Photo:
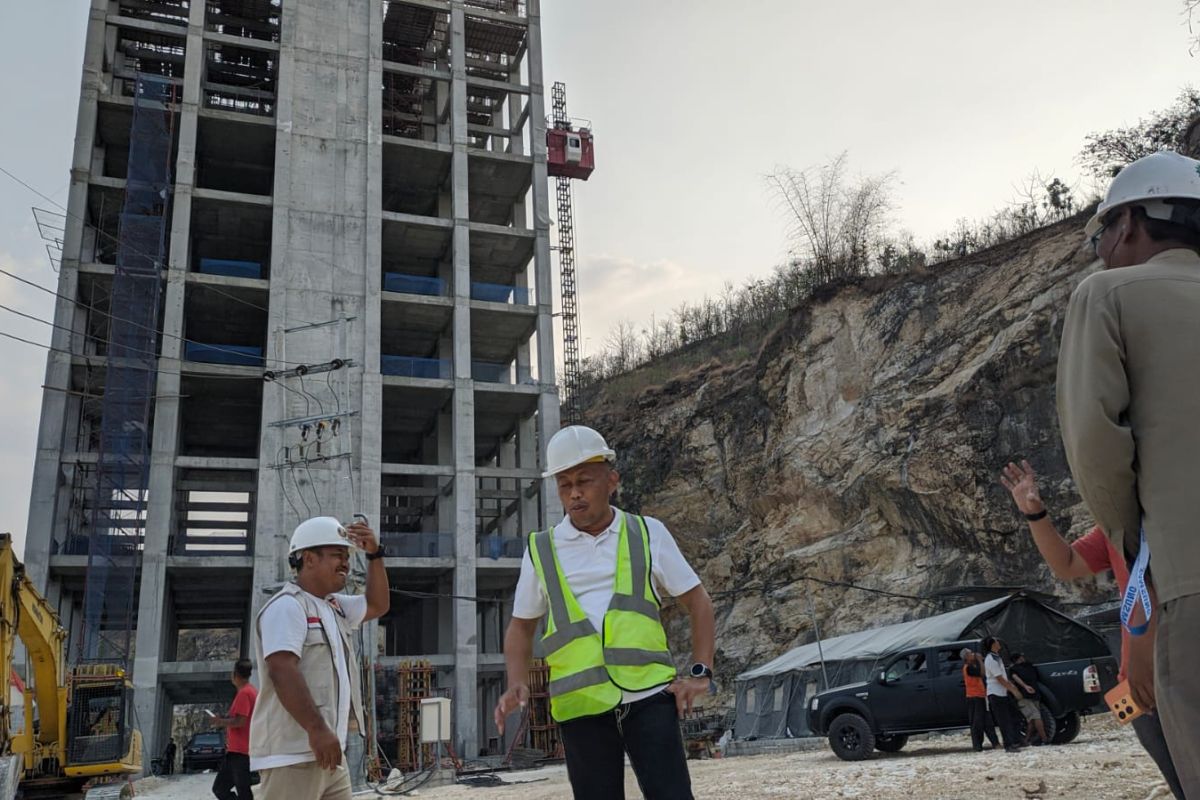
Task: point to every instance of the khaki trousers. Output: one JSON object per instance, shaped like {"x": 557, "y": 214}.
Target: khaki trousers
{"x": 305, "y": 782}
{"x": 1177, "y": 686}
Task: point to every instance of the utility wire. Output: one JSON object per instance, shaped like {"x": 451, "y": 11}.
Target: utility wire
{"x": 114, "y": 238}
{"x": 90, "y": 356}
{"x": 136, "y": 324}
{"x": 764, "y": 588}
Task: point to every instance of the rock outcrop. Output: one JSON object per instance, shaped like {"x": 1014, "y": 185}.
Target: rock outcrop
{"x": 862, "y": 446}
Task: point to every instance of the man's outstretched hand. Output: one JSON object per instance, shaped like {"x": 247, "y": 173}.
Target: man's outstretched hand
{"x": 516, "y": 697}
{"x": 1021, "y": 482}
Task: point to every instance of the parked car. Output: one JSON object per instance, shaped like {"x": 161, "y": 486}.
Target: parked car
{"x": 204, "y": 751}
{"x": 921, "y": 691}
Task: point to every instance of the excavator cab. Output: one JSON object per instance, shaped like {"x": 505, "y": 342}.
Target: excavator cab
{"x": 101, "y": 739}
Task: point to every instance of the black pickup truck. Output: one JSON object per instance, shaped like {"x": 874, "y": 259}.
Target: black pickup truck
{"x": 921, "y": 690}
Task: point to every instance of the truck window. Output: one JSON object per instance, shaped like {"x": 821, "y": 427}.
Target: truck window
{"x": 949, "y": 661}
{"x": 911, "y": 665}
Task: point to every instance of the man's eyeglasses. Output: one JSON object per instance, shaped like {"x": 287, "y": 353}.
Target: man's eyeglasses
{"x": 1095, "y": 240}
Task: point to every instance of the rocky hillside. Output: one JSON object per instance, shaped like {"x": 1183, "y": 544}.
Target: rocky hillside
{"x": 861, "y": 446}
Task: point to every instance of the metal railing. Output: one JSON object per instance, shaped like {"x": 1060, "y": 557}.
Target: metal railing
{"x": 496, "y": 547}
{"x": 501, "y": 293}
{"x": 415, "y": 367}
{"x": 418, "y": 545}
{"x": 413, "y": 284}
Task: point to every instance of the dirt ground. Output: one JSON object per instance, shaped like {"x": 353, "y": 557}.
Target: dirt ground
{"x": 1104, "y": 763}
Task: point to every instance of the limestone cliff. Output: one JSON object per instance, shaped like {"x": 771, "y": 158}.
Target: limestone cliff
{"x": 861, "y": 445}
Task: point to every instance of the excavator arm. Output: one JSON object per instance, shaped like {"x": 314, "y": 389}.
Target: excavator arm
{"x": 26, "y": 615}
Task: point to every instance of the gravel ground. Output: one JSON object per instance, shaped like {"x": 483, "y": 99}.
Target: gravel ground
{"x": 1105, "y": 763}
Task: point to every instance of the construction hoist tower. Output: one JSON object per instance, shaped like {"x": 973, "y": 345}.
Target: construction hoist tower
{"x": 570, "y": 155}
{"x": 122, "y": 468}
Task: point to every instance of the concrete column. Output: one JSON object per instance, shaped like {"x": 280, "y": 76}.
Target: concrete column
{"x": 466, "y": 645}
{"x": 527, "y": 458}
{"x": 154, "y": 633}
{"x": 47, "y": 469}
{"x": 548, "y": 405}
{"x": 370, "y": 445}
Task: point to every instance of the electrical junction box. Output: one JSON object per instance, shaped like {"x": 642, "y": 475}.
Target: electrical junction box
{"x": 435, "y": 719}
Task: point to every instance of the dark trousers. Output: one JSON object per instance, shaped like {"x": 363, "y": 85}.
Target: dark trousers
{"x": 1150, "y": 734}
{"x": 981, "y": 722}
{"x": 1004, "y": 711}
{"x": 233, "y": 774}
{"x": 1177, "y": 687}
{"x": 648, "y": 731}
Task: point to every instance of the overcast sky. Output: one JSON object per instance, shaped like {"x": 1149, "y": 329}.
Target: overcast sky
{"x": 693, "y": 103}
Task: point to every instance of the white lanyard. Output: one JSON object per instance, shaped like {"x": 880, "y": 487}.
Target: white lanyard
{"x": 1136, "y": 590}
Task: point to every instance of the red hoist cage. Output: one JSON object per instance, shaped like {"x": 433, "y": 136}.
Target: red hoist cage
{"x": 570, "y": 156}
{"x": 571, "y": 153}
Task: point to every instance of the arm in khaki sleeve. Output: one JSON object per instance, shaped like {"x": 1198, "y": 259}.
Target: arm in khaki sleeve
{"x": 1093, "y": 397}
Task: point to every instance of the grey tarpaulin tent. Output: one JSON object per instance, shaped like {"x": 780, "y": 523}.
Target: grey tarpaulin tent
{"x": 771, "y": 699}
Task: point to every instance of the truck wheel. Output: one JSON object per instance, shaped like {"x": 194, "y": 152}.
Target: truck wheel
{"x": 850, "y": 737}
{"x": 1068, "y": 729}
{"x": 1048, "y": 722}
{"x": 891, "y": 744}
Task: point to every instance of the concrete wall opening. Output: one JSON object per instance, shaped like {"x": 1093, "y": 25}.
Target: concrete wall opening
{"x": 234, "y": 155}
{"x": 214, "y": 512}
{"x": 220, "y": 415}
{"x": 230, "y": 239}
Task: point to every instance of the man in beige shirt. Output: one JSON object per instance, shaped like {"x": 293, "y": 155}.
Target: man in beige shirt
{"x": 1129, "y": 408}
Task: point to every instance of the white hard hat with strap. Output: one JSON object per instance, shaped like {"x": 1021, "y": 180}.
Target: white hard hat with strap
{"x": 1152, "y": 182}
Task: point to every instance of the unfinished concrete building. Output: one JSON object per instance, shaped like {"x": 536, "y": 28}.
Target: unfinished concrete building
{"x": 354, "y": 315}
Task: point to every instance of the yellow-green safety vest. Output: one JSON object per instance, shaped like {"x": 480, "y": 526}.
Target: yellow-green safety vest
{"x": 588, "y": 670}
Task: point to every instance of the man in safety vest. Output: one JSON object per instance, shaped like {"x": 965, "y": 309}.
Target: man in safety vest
{"x": 1128, "y": 402}
{"x": 597, "y": 577}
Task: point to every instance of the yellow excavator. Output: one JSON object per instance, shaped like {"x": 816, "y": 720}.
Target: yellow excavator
{"x": 75, "y": 735}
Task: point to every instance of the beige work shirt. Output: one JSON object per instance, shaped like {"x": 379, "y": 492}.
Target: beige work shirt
{"x": 1129, "y": 409}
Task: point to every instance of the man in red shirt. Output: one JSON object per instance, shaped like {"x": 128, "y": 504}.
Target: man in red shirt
{"x": 1088, "y": 555}
{"x": 235, "y": 768}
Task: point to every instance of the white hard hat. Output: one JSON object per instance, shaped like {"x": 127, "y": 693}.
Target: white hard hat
{"x": 575, "y": 445}
{"x": 1149, "y": 182}
{"x": 319, "y": 532}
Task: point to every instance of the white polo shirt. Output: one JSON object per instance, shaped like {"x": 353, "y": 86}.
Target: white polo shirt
{"x": 589, "y": 564}
{"x": 993, "y": 667}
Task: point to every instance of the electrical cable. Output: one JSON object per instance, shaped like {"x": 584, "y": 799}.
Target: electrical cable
{"x": 114, "y": 238}
{"x": 311, "y": 483}
{"x": 299, "y": 491}
{"x": 283, "y": 487}
{"x": 90, "y": 356}
{"x": 115, "y": 318}
{"x": 439, "y": 595}
{"x": 285, "y": 387}
{"x": 763, "y": 588}
{"x": 306, "y": 393}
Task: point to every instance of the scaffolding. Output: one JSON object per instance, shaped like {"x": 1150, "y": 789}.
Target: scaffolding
{"x": 414, "y": 683}
{"x": 415, "y": 36}
{"x": 249, "y": 19}
{"x": 123, "y": 460}
{"x": 543, "y": 730}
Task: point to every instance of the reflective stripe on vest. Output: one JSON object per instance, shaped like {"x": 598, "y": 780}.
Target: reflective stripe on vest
{"x": 587, "y": 670}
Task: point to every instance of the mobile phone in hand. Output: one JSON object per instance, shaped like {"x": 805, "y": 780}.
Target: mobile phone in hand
{"x": 1120, "y": 701}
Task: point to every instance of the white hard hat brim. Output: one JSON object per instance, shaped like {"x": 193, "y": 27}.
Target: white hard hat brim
{"x": 342, "y": 543}
{"x": 608, "y": 455}
{"x": 1156, "y": 207}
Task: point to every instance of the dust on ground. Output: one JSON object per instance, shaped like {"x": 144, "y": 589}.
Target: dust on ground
{"x": 1104, "y": 763}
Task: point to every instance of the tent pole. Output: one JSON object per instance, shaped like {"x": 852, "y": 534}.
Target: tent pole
{"x": 817, "y": 630}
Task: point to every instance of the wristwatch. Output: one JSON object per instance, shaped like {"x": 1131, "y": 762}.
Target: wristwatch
{"x": 699, "y": 670}
{"x": 380, "y": 552}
